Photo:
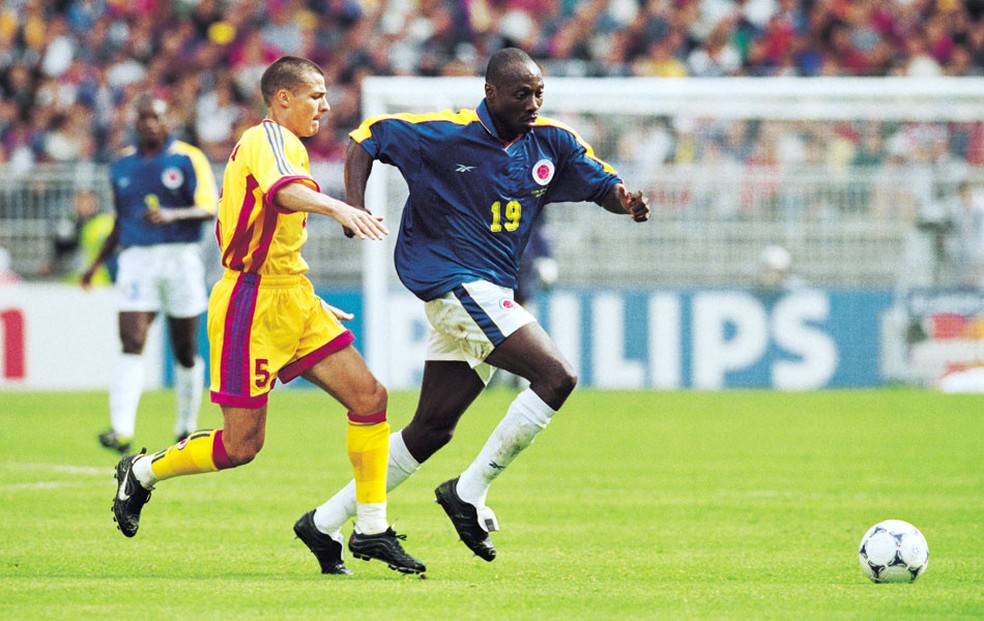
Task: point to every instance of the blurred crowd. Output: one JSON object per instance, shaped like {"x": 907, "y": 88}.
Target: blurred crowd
{"x": 801, "y": 169}
{"x": 67, "y": 68}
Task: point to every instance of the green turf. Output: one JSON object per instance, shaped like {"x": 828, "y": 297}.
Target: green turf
{"x": 643, "y": 505}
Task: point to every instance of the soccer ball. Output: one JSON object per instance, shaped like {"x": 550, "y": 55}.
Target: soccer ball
{"x": 893, "y": 551}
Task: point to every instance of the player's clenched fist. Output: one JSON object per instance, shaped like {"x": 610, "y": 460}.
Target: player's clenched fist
{"x": 634, "y": 203}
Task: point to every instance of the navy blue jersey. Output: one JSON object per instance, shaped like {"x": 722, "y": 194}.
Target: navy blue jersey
{"x": 473, "y": 197}
{"x": 178, "y": 176}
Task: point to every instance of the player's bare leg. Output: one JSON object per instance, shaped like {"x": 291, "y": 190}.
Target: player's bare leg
{"x": 529, "y": 352}
{"x": 448, "y": 389}
{"x": 345, "y": 376}
{"x": 206, "y": 450}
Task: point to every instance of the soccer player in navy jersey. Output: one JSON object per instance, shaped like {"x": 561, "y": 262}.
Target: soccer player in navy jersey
{"x": 477, "y": 180}
{"x": 163, "y": 190}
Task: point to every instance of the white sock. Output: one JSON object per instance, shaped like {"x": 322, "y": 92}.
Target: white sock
{"x": 144, "y": 473}
{"x": 189, "y": 384}
{"x": 124, "y": 393}
{"x": 331, "y": 516}
{"x": 527, "y": 416}
{"x": 371, "y": 518}
{"x": 401, "y": 463}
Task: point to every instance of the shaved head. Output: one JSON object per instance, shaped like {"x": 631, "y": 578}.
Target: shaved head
{"x": 513, "y": 92}
{"x": 150, "y": 102}
{"x": 509, "y": 65}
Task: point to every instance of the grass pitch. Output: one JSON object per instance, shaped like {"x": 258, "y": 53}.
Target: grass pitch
{"x": 642, "y": 505}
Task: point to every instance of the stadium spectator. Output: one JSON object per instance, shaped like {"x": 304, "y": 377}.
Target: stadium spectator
{"x": 249, "y": 58}
{"x": 662, "y": 58}
{"x": 217, "y": 115}
{"x": 266, "y": 323}
{"x": 106, "y": 51}
{"x": 461, "y": 257}
{"x": 20, "y": 143}
{"x": 282, "y": 28}
{"x": 163, "y": 190}
{"x": 968, "y": 235}
{"x": 717, "y": 57}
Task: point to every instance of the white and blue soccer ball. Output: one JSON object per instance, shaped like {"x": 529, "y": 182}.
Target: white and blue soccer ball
{"x": 893, "y": 551}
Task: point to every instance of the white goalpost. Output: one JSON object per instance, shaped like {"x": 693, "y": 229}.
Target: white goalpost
{"x": 796, "y": 176}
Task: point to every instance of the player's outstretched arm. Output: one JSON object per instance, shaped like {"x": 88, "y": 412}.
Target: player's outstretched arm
{"x": 620, "y": 200}
{"x": 298, "y": 196}
{"x": 174, "y": 214}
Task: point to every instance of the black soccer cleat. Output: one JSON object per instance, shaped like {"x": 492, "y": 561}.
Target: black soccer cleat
{"x": 113, "y": 441}
{"x": 464, "y": 517}
{"x": 130, "y": 497}
{"x": 385, "y": 547}
{"x": 325, "y": 549}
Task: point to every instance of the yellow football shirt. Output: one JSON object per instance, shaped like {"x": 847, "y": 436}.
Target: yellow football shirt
{"x": 254, "y": 234}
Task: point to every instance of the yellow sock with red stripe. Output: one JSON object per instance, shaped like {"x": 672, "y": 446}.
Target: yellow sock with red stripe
{"x": 202, "y": 451}
{"x": 367, "y": 444}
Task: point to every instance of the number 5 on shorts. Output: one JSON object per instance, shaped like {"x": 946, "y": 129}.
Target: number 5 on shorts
{"x": 261, "y": 373}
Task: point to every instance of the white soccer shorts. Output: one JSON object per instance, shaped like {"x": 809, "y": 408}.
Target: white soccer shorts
{"x": 162, "y": 277}
{"x": 466, "y": 324}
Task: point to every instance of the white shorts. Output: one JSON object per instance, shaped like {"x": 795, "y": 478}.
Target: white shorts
{"x": 163, "y": 277}
{"x": 468, "y": 323}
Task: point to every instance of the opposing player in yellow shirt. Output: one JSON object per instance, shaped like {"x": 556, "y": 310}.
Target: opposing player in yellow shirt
{"x": 266, "y": 323}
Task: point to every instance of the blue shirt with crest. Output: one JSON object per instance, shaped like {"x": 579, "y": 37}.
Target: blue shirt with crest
{"x": 474, "y": 196}
{"x": 166, "y": 180}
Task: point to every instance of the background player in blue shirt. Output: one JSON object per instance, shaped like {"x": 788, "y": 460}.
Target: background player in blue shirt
{"x": 163, "y": 190}
{"x": 477, "y": 180}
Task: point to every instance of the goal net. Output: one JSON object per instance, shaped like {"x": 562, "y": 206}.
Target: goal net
{"x": 858, "y": 178}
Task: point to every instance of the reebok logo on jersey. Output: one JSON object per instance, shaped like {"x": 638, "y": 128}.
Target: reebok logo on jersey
{"x": 463, "y": 168}
{"x": 543, "y": 171}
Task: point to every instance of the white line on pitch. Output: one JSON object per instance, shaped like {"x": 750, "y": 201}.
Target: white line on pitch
{"x": 13, "y": 487}
{"x": 61, "y": 468}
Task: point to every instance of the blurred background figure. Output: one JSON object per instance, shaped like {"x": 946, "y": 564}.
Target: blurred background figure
{"x": 163, "y": 192}
{"x": 7, "y": 275}
{"x": 538, "y": 270}
{"x": 968, "y": 235}
{"x": 78, "y": 237}
{"x": 775, "y": 270}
